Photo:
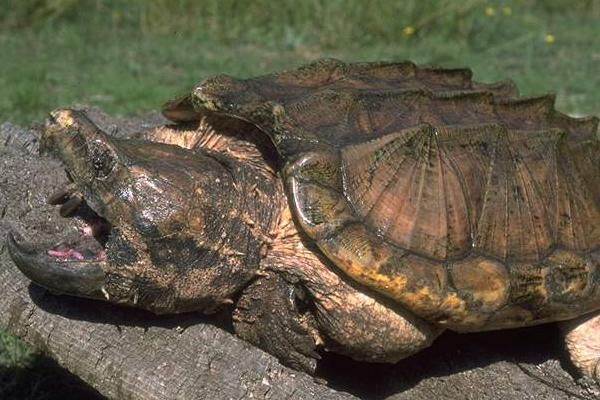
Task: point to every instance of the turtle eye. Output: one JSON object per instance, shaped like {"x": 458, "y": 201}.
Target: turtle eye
{"x": 102, "y": 157}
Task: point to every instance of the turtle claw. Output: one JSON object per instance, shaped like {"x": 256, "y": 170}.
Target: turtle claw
{"x": 266, "y": 317}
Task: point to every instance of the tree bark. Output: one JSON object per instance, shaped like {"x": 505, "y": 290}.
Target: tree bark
{"x": 131, "y": 354}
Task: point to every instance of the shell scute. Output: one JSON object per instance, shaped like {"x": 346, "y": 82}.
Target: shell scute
{"x": 401, "y": 187}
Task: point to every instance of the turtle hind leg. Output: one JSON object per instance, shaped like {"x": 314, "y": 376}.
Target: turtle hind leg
{"x": 582, "y": 339}
{"x": 271, "y": 314}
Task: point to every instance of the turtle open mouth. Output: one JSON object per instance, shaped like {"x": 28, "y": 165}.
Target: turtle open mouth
{"x": 73, "y": 264}
{"x": 91, "y": 242}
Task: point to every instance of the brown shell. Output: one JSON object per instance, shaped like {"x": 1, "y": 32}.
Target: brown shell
{"x": 466, "y": 204}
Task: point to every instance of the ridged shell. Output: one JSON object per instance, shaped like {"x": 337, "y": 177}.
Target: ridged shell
{"x": 458, "y": 199}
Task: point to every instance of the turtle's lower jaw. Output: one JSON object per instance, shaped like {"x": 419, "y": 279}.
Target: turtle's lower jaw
{"x": 83, "y": 278}
{"x": 72, "y": 265}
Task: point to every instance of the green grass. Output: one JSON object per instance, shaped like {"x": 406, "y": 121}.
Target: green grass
{"x": 24, "y": 376}
{"x": 130, "y": 56}
{"x": 13, "y": 353}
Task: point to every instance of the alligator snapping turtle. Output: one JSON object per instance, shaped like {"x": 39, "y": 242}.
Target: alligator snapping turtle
{"x": 363, "y": 208}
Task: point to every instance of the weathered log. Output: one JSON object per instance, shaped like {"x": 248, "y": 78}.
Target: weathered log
{"x": 130, "y": 354}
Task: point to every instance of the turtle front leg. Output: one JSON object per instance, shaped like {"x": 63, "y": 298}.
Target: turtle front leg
{"x": 582, "y": 339}
{"x": 272, "y": 314}
{"x": 335, "y": 313}
{"x": 291, "y": 315}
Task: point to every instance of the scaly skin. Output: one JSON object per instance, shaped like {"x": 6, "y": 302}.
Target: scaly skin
{"x": 181, "y": 236}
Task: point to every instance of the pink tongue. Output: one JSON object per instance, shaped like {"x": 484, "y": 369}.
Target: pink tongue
{"x": 73, "y": 254}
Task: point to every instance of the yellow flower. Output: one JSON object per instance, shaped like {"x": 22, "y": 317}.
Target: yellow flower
{"x": 490, "y": 11}
{"x": 550, "y": 38}
{"x": 409, "y": 30}
{"x": 507, "y": 10}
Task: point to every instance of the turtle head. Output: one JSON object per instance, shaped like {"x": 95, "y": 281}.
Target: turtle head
{"x": 152, "y": 223}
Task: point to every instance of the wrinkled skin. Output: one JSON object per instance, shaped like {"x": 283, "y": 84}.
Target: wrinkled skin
{"x": 153, "y": 202}
{"x": 195, "y": 219}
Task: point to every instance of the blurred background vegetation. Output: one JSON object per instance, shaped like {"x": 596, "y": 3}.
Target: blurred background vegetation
{"x": 129, "y": 56}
